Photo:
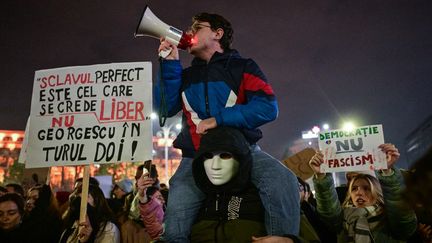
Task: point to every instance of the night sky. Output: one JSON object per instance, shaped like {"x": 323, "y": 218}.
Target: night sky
{"x": 328, "y": 61}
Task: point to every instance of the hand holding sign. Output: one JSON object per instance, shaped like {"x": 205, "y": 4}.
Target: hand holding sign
{"x": 79, "y": 114}
{"x": 85, "y": 230}
{"x": 355, "y": 150}
{"x": 316, "y": 162}
{"x": 392, "y": 154}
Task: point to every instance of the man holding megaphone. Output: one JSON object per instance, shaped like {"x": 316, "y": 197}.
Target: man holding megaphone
{"x": 221, "y": 88}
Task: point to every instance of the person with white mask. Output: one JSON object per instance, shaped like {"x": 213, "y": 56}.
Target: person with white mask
{"x": 233, "y": 211}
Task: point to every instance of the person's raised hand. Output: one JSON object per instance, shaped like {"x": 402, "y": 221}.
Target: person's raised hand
{"x": 143, "y": 183}
{"x": 392, "y": 154}
{"x": 166, "y": 46}
{"x": 316, "y": 162}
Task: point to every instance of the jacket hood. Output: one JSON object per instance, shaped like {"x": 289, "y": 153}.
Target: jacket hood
{"x": 217, "y": 56}
{"x": 224, "y": 139}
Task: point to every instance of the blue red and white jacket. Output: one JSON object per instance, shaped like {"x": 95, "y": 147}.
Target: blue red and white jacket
{"x": 229, "y": 88}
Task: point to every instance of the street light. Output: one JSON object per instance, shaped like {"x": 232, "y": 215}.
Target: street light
{"x": 348, "y": 126}
{"x": 166, "y": 134}
{"x": 326, "y": 126}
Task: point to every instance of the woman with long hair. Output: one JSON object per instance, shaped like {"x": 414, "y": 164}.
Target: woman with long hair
{"x": 41, "y": 212}
{"x": 373, "y": 210}
{"x": 99, "y": 226}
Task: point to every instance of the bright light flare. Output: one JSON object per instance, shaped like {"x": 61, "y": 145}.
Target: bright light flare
{"x": 348, "y": 126}
{"x": 15, "y": 137}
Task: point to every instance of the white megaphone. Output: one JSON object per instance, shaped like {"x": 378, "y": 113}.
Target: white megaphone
{"x": 152, "y": 26}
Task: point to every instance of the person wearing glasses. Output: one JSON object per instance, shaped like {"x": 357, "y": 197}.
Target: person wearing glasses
{"x": 221, "y": 88}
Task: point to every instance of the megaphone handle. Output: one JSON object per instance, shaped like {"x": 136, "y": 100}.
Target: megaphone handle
{"x": 165, "y": 53}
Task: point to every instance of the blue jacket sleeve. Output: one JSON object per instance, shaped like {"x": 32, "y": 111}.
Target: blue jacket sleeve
{"x": 171, "y": 71}
{"x": 256, "y": 102}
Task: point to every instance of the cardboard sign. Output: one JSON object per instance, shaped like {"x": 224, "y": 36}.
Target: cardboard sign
{"x": 84, "y": 114}
{"x": 299, "y": 163}
{"x": 355, "y": 150}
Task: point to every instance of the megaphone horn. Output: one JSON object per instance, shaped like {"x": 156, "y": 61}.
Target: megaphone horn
{"x": 152, "y": 26}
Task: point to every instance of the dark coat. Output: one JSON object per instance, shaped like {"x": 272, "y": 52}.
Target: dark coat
{"x": 232, "y": 212}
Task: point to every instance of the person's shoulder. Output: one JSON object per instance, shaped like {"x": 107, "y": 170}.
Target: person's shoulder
{"x": 111, "y": 227}
{"x": 111, "y": 233}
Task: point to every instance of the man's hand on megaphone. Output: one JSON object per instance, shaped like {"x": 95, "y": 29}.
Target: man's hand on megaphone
{"x": 166, "y": 47}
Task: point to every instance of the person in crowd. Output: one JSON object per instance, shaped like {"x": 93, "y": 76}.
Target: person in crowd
{"x": 92, "y": 181}
{"x": 42, "y": 212}
{"x": 373, "y": 210}
{"x": 78, "y": 183}
{"x": 155, "y": 192}
{"x": 99, "y": 226}
{"x": 349, "y": 175}
{"x": 11, "y": 214}
{"x": 221, "y": 89}
{"x": 63, "y": 200}
{"x": 312, "y": 228}
{"x": 132, "y": 205}
{"x": 418, "y": 194}
{"x": 307, "y": 230}
{"x": 132, "y": 226}
{"x": 17, "y": 188}
{"x": 119, "y": 193}
{"x": 309, "y": 196}
{"x": 232, "y": 211}
{"x": 151, "y": 206}
{"x": 122, "y": 189}
{"x": 3, "y": 190}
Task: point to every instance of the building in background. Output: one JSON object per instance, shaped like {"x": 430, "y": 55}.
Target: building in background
{"x": 418, "y": 141}
{"x": 63, "y": 177}
{"x": 10, "y": 147}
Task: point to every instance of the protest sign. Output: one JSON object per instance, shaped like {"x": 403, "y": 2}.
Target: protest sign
{"x": 355, "y": 150}
{"x": 85, "y": 114}
{"x": 299, "y": 163}
{"x": 105, "y": 184}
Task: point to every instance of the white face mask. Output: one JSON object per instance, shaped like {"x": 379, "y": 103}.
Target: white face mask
{"x": 220, "y": 167}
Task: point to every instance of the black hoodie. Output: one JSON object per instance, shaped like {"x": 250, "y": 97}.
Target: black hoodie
{"x": 236, "y": 202}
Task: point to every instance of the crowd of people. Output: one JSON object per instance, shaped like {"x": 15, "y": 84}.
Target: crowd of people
{"x": 38, "y": 216}
{"x": 226, "y": 188}
{"x": 377, "y": 207}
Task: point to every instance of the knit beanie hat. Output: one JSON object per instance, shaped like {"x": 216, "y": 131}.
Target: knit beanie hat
{"x": 126, "y": 185}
